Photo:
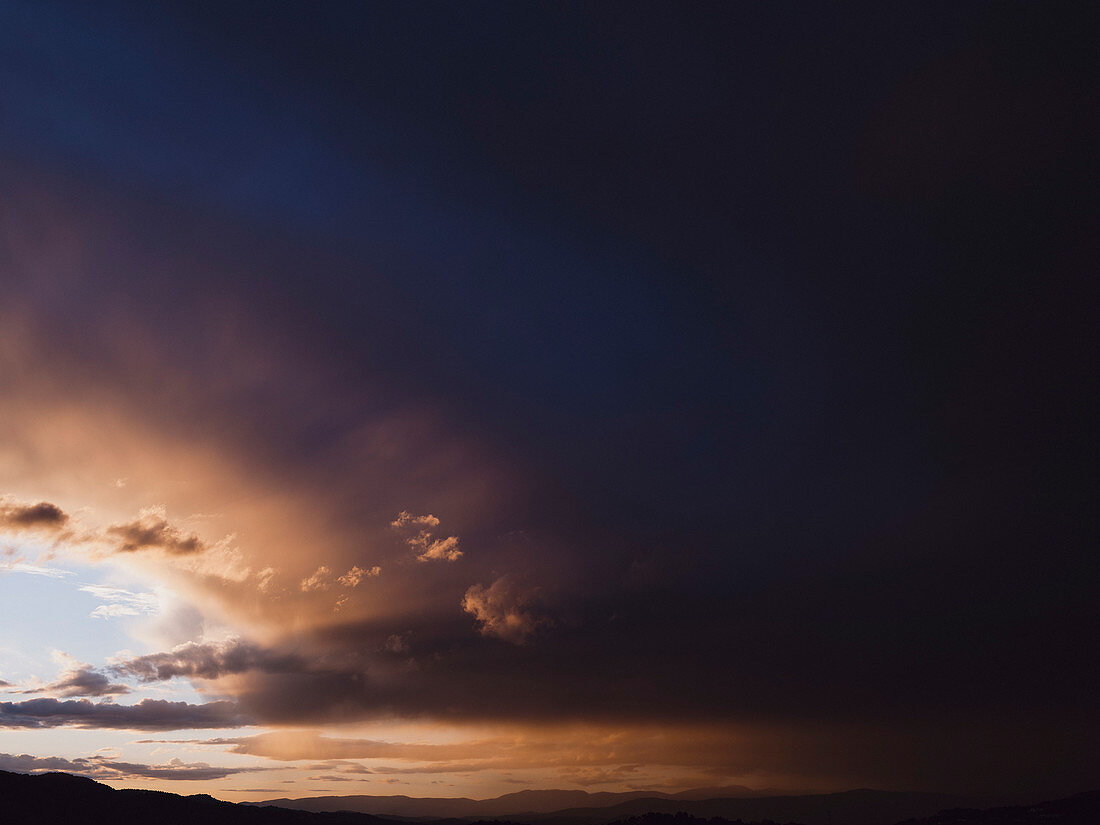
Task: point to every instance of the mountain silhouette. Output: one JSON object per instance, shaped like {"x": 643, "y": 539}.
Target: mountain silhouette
{"x": 859, "y": 807}
{"x": 520, "y": 803}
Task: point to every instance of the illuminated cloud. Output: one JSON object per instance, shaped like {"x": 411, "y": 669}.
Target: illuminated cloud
{"x": 266, "y": 579}
{"x": 417, "y": 536}
{"x": 354, "y": 576}
{"x": 436, "y": 550}
{"x": 148, "y": 714}
{"x": 320, "y": 580}
{"x": 406, "y": 519}
{"x": 502, "y": 610}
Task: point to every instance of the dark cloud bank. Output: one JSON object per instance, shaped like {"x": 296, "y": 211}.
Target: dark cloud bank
{"x": 148, "y": 714}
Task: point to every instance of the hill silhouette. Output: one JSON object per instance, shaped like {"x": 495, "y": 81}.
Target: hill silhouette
{"x": 64, "y": 799}
{"x": 858, "y": 807}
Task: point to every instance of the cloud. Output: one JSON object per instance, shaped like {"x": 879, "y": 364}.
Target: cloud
{"x": 406, "y": 519}
{"x": 79, "y": 679}
{"x": 43, "y": 516}
{"x": 151, "y": 530}
{"x": 104, "y": 767}
{"x": 502, "y": 610}
{"x": 148, "y": 714}
{"x": 438, "y": 550}
{"x": 119, "y": 602}
{"x": 429, "y": 549}
{"x": 266, "y": 579}
{"x": 354, "y": 576}
{"x": 34, "y": 569}
{"x": 207, "y": 661}
{"x": 320, "y": 580}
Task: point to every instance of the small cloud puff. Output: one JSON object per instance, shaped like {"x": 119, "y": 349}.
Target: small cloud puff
{"x": 503, "y": 610}
{"x": 323, "y": 579}
{"x": 357, "y": 574}
{"x": 427, "y": 547}
{"x": 151, "y": 530}
{"x": 320, "y": 580}
{"x": 407, "y": 519}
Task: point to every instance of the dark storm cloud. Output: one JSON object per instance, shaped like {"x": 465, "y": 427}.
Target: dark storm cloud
{"x": 148, "y": 714}
{"x": 103, "y": 767}
{"x": 41, "y": 516}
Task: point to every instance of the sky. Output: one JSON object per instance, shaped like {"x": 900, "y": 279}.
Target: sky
{"x": 450, "y": 399}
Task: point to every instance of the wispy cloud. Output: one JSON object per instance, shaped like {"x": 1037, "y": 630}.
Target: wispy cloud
{"x": 119, "y": 602}
{"x": 34, "y": 569}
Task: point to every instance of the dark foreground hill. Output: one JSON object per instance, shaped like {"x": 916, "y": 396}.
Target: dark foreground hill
{"x": 63, "y": 799}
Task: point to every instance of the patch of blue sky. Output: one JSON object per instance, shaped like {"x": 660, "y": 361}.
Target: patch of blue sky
{"x": 80, "y": 610}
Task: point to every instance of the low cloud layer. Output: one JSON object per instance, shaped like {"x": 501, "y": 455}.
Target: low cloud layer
{"x": 148, "y": 714}
{"x": 108, "y": 768}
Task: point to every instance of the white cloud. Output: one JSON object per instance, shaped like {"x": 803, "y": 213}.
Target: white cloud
{"x": 119, "y": 602}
